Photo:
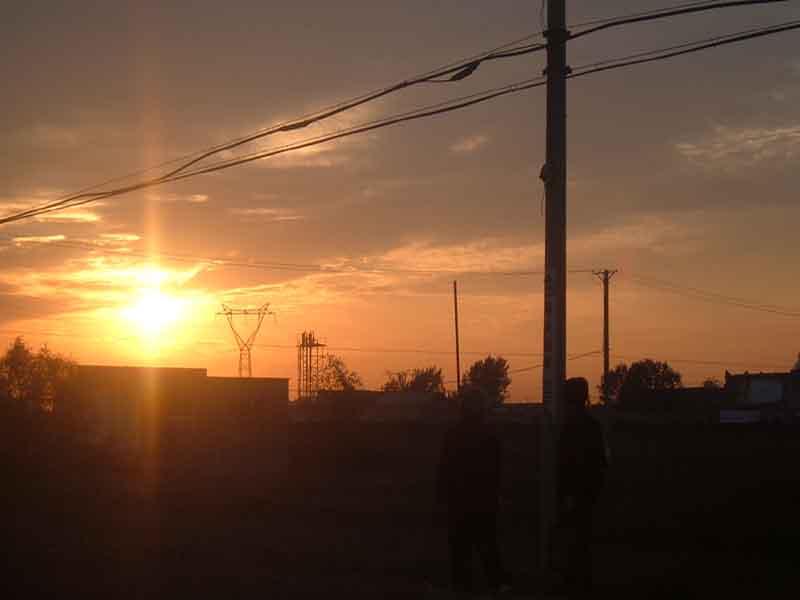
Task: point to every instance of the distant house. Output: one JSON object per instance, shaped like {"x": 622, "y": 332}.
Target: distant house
{"x": 761, "y": 398}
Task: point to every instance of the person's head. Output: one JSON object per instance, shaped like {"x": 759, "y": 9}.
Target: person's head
{"x": 473, "y": 403}
{"x": 576, "y": 395}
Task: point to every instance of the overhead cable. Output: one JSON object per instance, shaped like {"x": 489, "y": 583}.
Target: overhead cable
{"x": 432, "y": 110}
{"x": 667, "y": 13}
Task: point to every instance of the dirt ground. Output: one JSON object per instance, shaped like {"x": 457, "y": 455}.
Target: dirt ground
{"x": 687, "y": 512}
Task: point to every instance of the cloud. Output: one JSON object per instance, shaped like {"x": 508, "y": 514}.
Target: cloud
{"x": 271, "y": 215}
{"x": 734, "y": 148}
{"x": 41, "y": 196}
{"x": 164, "y": 197}
{"x": 660, "y": 234}
{"x": 41, "y": 239}
{"x": 328, "y": 154}
{"x": 469, "y": 144}
{"x": 488, "y": 254}
{"x": 323, "y": 156}
{"x": 120, "y": 237}
{"x": 70, "y": 216}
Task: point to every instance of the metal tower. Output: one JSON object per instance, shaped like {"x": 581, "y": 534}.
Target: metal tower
{"x": 308, "y": 357}
{"x": 245, "y": 359}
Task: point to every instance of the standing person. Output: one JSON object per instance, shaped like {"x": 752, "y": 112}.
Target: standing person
{"x": 468, "y": 485}
{"x": 582, "y": 464}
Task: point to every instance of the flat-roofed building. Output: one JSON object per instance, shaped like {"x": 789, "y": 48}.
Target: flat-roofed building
{"x": 177, "y": 411}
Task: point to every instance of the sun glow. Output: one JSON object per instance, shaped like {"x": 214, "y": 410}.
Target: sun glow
{"x": 154, "y": 311}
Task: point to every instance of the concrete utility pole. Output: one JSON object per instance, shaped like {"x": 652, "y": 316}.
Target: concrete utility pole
{"x": 458, "y": 352}
{"x": 554, "y": 174}
{"x": 605, "y": 276}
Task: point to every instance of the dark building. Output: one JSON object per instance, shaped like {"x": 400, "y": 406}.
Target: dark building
{"x": 762, "y": 397}
{"x": 147, "y": 409}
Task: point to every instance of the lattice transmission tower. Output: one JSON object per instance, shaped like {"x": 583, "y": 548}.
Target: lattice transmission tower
{"x": 309, "y": 353}
{"x": 245, "y": 344}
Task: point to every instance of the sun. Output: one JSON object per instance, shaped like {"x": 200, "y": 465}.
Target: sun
{"x": 154, "y": 311}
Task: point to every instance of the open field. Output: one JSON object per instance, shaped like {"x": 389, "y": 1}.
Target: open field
{"x": 687, "y": 511}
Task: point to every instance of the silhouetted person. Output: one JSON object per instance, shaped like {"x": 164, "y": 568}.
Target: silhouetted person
{"x": 468, "y": 485}
{"x": 581, "y": 470}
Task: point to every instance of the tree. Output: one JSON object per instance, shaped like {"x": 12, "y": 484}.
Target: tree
{"x": 33, "y": 381}
{"x": 614, "y": 380}
{"x": 425, "y": 380}
{"x": 648, "y": 375}
{"x": 712, "y": 383}
{"x": 334, "y": 375}
{"x": 490, "y": 375}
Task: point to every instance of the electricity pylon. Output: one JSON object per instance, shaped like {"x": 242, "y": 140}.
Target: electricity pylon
{"x": 245, "y": 358}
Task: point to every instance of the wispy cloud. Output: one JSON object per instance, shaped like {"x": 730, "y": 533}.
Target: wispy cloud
{"x": 70, "y": 216}
{"x": 35, "y": 198}
{"x": 120, "y": 237}
{"x": 165, "y": 197}
{"x": 272, "y": 215}
{"x": 469, "y": 144}
{"x": 730, "y": 147}
{"x": 488, "y": 254}
{"x": 39, "y": 239}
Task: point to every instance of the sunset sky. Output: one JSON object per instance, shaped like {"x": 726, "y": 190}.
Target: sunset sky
{"x": 682, "y": 173}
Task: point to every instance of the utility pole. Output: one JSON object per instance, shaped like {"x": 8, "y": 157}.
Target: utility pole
{"x": 554, "y": 174}
{"x": 605, "y": 276}
{"x": 458, "y": 352}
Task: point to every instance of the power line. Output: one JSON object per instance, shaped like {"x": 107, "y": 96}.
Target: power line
{"x": 690, "y": 47}
{"x": 715, "y": 363}
{"x": 640, "y": 18}
{"x": 699, "y": 291}
{"x": 432, "y": 110}
{"x": 278, "y": 266}
{"x": 573, "y": 357}
{"x": 456, "y": 67}
{"x": 365, "y": 350}
{"x": 712, "y": 297}
{"x": 368, "y": 350}
{"x": 637, "y": 14}
{"x": 457, "y": 71}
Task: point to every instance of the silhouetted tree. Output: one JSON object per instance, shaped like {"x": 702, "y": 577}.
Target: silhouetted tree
{"x": 614, "y": 378}
{"x": 428, "y": 379}
{"x": 334, "y": 375}
{"x": 33, "y": 381}
{"x": 712, "y": 383}
{"x": 490, "y": 375}
{"x": 646, "y": 375}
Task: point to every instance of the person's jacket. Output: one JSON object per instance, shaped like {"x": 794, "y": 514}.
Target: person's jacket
{"x": 581, "y": 458}
{"x": 470, "y": 467}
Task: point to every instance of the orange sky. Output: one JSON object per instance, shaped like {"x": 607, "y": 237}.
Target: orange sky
{"x": 684, "y": 172}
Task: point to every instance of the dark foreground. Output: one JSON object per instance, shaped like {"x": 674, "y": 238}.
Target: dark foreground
{"x": 687, "y": 512}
